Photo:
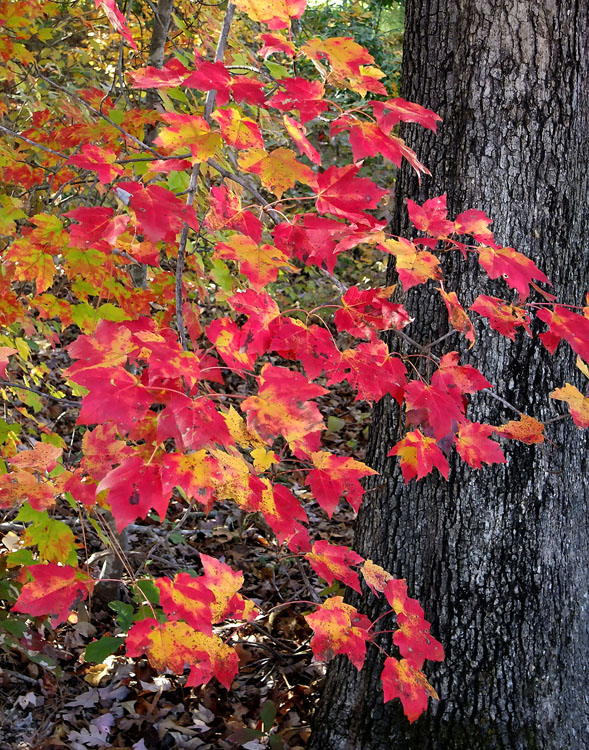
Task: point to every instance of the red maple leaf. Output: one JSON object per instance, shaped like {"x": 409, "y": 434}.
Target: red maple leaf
{"x": 339, "y": 629}
{"x": 369, "y": 310}
{"x": 52, "y": 591}
{"x": 332, "y": 561}
{"x": 419, "y": 455}
{"x": 335, "y": 475}
{"x": 401, "y": 680}
{"x": 134, "y": 488}
{"x": 340, "y": 192}
{"x": 474, "y": 446}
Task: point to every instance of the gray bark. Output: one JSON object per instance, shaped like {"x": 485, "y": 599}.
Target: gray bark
{"x": 157, "y": 47}
{"x": 498, "y": 558}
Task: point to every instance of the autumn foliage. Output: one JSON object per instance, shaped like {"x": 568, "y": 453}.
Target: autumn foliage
{"x": 201, "y": 383}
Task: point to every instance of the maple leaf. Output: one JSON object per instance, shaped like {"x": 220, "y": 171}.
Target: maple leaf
{"x": 503, "y": 317}
{"x": 432, "y": 217}
{"x": 278, "y": 170}
{"x": 339, "y": 629}
{"x": 390, "y": 113}
{"x": 224, "y": 663}
{"x": 340, "y": 192}
{"x": 172, "y": 645}
{"x": 306, "y": 97}
{"x": 32, "y": 262}
{"x": 517, "y": 270}
{"x": 413, "y": 266}
{"x": 100, "y": 160}
{"x": 465, "y": 378}
{"x": 102, "y": 449}
{"x": 196, "y": 473}
{"x": 170, "y": 75}
{"x": 160, "y": 213}
{"x": 109, "y": 346}
{"x": 210, "y": 76}
{"x": 250, "y": 90}
{"x": 298, "y": 133}
{"x": 332, "y": 561}
{"x": 371, "y": 370}
{"x": 232, "y": 344}
{"x": 419, "y": 455}
{"x": 312, "y": 345}
{"x": 187, "y": 598}
{"x": 134, "y": 488}
{"x": 415, "y": 642}
{"x": 225, "y": 583}
{"x": 281, "y": 408}
{"x": 376, "y": 577}
{"x": 457, "y": 316}
{"x": 367, "y": 310}
{"x": 238, "y": 131}
{"x": 276, "y": 43}
{"x": 5, "y": 353}
{"x": 281, "y": 511}
{"x": 433, "y": 406}
{"x": 568, "y": 325}
{"x": 117, "y": 19}
{"x": 312, "y": 239}
{"x": 98, "y": 227}
{"x": 225, "y": 212}
{"x": 113, "y": 394}
{"x": 189, "y": 131}
{"x": 473, "y": 444}
{"x": 52, "y": 591}
{"x": 277, "y": 14}
{"x": 193, "y": 423}
{"x": 263, "y": 318}
{"x": 367, "y": 139}
{"x": 401, "y": 680}
{"x": 578, "y": 404}
{"x": 351, "y": 64}
{"x": 395, "y": 592}
{"x": 475, "y": 223}
{"x": 260, "y": 263}
{"x": 526, "y": 429}
{"x": 17, "y": 486}
{"x": 42, "y": 458}
{"x": 335, "y": 475}
{"x": 55, "y": 541}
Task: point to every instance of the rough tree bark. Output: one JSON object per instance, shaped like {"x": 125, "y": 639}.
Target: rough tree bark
{"x": 497, "y": 557}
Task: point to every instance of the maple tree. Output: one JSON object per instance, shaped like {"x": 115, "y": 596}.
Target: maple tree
{"x": 197, "y": 384}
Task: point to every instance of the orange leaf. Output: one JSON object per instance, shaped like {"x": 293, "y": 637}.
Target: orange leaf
{"x": 526, "y": 429}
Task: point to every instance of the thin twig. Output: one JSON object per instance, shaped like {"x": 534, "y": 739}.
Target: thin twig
{"x": 209, "y": 106}
{"x": 32, "y": 143}
{"x": 64, "y": 401}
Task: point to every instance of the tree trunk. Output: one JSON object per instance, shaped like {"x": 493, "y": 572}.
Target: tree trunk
{"x": 497, "y": 557}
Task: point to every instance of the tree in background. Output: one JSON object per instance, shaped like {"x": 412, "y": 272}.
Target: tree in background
{"x": 499, "y": 558}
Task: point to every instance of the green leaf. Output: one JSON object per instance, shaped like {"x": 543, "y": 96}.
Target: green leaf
{"x": 268, "y": 714}
{"x": 149, "y": 591}
{"x": 124, "y": 612}
{"x": 276, "y": 70}
{"x": 97, "y": 651}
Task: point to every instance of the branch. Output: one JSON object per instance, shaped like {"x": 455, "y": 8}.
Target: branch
{"x": 64, "y": 401}
{"x": 33, "y": 143}
{"x": 209, "y": 106}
